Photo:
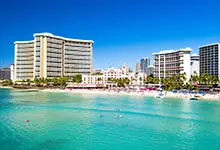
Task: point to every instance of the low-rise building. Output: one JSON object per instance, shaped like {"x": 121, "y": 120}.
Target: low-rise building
{"x": 102, "y": 79}
{"x": 136, "y": 78}
{"x": 97, "y": 71}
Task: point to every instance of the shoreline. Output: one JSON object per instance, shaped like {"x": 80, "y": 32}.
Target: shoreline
{"x": 143, "y": 94}
{"x": 110, "y": 92}
{"x": 6, "y": 87}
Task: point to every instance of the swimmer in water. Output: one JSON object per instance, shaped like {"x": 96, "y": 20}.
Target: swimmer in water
{"x": 117, "y": 109}
{"x": 119, "y": 116}
{"x": 101, "y": 115}
{"x": 26, "y": 120}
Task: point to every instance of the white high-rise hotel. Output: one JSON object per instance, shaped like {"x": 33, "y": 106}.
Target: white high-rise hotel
{"x": 52, "y": 56}
{"x": 170, "y": 62}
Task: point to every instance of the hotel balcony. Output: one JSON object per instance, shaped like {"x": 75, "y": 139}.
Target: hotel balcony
{"x": 77, "y": 45}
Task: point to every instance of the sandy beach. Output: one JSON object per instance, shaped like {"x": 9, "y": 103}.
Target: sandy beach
{"x": 145, "y": 93}
{"x": 111, "y": 92}
{"x": 6, "y": 87}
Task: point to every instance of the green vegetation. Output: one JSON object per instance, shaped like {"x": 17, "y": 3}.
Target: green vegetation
{"x": 56, "y": 82}
{"x": 7, "y": 83}
{"x": 119, "y": 82}
{"x": 151, "y": 80}
{"x": 99, "y": 79}
{"x": 97, "y": 74}
{"x": 174, "y": 82}
{"x": 178, "y": 81}
{"x": 77, "y": 79}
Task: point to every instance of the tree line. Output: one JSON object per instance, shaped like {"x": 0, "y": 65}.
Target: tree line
{"x": 57, "y": 81}
{"x": 178, "y": 81}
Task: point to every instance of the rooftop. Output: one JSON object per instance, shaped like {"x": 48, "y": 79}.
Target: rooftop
{"x": 4, "y": 69}
{"x": 188, "y": 49}
{"x": 210, "y": 45}
{"x": 23, "y": 42}
{"x": 194, "y": 55}
{"x": 51, "y": 35}
{"x": 60, "y": 37}
{"x": 151, "y": 66}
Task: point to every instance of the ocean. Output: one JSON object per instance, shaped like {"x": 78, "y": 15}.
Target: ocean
{"x": 64, "y": 121}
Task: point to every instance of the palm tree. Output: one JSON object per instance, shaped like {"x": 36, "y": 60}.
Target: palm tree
{"x": 62, "y": 81}
{"x": 126, "y": 81}
{"x": 194, "y": 79}
{"x": 36, "y": 81}
{"x": 167, "y": 73}
{"x": 165, "y": 82}
{"x": 204, "y": 78}
{"x": 77, "y": 79}
{"x": 176, "y": 81}
{"x": 149, "y": 79}
{"x": 212, "y": 80}
{"x": 97, "y": 74}
{"x": 121, "y": 82}
{"x": 99, "y": 79}
{"x": 110, "y": 80}
{"x": 156, "y": 80}
{"x": 140, "y": 79}
{"x": 55, "y": 81}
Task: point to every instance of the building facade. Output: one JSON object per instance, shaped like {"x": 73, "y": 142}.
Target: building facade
{"x": 50, "y": 56}
{"x": 144, "y": 63}
{"x": 194, "y": 65}
{"x": 138, "y": 67}
{"x": 170, "y": 62}
{"x": 102, "y": 79}
{"x": 24, "y": 60}
{"x": 135, "y": 78}
{"x": 97, "y": 71}
{"x": 129, "y": 70}
{"x": 5, "y": 74}
{"x": 210, "y": 59}
{"x": 150, "y": 70}
{"x": 12, "y": 71}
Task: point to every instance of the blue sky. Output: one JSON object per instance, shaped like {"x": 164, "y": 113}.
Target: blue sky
{"x": 124, "y": 31}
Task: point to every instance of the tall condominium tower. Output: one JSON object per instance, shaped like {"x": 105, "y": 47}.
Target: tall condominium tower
{"x": 170, "y": 62}
{"x": 144, "y": 64}
{"x": 50, "y": 56}
{"x": 210, "y": 59}
{"x": 138, "y": 68}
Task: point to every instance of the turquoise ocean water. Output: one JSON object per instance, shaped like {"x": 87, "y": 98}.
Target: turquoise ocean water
{"x": 64, "y": 121}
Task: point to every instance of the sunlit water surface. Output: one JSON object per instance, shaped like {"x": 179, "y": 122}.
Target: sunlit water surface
{"x": 64, "y": 121}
